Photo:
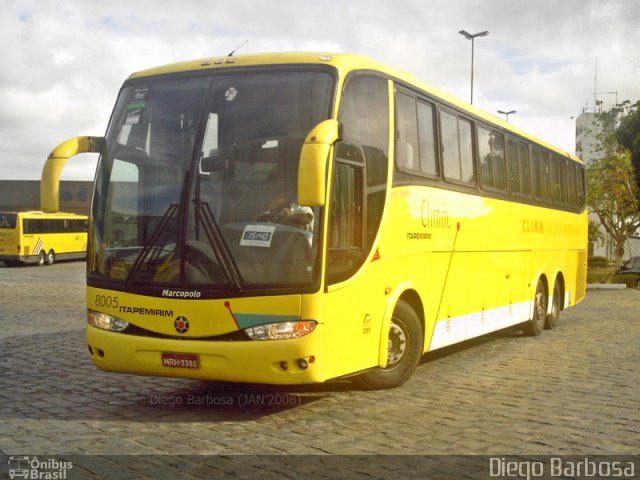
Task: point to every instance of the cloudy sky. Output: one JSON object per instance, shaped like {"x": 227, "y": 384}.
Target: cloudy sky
{"x": 63, "y": 61}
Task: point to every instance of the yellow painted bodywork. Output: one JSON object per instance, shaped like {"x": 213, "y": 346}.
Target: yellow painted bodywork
{"x": 467, "y": 254}
{"x": 16, "y": 245}
{"x": 455, "y": 256}
{"x": 258, "y": 361}
{"x": 247, "y": 361}
{"x": 314, "y": 158}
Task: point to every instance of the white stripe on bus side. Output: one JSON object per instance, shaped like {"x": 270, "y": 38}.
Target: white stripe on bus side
{"x": 38, "y": 246}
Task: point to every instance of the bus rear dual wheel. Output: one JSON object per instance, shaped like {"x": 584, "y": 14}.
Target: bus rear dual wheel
{"x": 541, "y": 319}
{"x": 404, "y": 350}
{"x": 47, "y": 258}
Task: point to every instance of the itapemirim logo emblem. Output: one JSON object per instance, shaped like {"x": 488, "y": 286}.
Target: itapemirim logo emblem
{"x": 181, "y": 324}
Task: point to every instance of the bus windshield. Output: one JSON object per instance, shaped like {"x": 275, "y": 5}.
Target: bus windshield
{"x": 8, "y": 220}
{"x": 197, "y": 182}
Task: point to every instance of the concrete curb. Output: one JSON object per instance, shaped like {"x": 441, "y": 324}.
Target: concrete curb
{"x": 606, "y": 286}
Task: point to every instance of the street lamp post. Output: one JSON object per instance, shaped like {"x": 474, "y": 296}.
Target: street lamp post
{"x": 472, "y": 37}
{"x": 506, "y": 114}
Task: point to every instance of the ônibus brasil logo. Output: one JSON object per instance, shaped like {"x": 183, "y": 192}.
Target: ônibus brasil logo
{"x": 33, "y": 467}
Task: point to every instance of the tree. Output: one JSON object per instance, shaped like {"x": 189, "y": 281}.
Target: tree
{"x": 596, "y": 237}
{"x": 628, "y": 135}
{"x": 612, "y": 189}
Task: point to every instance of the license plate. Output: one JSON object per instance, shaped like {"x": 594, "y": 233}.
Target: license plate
{"x": 180, "y": 360}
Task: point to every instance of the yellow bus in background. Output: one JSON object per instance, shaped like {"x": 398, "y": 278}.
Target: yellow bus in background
{"x": 42, "y": 238}
{"x": 296, "y": 218}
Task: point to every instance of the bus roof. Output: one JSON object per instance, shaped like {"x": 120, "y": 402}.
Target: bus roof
{"x": 40, "y": 214}
{"x": 343, "y": 62}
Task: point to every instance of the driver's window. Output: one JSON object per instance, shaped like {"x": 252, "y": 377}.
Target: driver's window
{"x": 359, "y": 175}
{"x": 346, "y": 224}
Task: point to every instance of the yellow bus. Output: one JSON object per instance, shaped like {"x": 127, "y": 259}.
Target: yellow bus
{"x": 42, "y": 238}
{"x": 296, "y": 218}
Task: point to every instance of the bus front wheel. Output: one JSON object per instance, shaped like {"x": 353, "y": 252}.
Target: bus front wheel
{"x": 404, "y": 350}
{"x": 51, "y": 257}
{"x": 535, "y": 326}
{"x": 42, "y": 259}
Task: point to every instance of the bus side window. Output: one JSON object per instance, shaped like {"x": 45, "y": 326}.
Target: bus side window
{"x": 523, "y": 155}
{"x": 450, "y": 146}
{"x": 545, "y": 174}
{"x": 408, "y": 153}
{"x": 415, "y": 136}
{"x": 581, "y": 188}
{"x": 428, "y": 163}
{"x": 536, "y": 174}
{"x": 514, "y": 166}
{"x": 556, "y": 193}
{"x": 491, "y": 152}
{"x": 457, "y": 148}
{"x": 346, "y": 224}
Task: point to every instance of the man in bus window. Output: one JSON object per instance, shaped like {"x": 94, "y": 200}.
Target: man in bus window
{"x": 281, "y": 210}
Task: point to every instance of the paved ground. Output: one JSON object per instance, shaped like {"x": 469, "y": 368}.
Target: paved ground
{"x": 573, "y": 391}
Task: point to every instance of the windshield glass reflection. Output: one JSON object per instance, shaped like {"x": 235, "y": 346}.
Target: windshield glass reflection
{"x": 198, "y": 182}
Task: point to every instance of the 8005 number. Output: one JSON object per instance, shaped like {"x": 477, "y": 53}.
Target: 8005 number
{"x": 106, "y": 301}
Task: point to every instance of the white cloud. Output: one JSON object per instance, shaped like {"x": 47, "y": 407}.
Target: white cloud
{"x": 63, "y": 61}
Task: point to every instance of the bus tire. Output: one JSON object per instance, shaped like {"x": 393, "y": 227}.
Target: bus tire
{"x": 51, "y": 257}
{"x": 535, "y": 325}
{"x": 554, "y": 316}
{"x": 42, "y": 259}
{"x": 404, "y": 354}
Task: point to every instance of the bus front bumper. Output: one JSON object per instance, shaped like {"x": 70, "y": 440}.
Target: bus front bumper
{"x": 284, "y": 362}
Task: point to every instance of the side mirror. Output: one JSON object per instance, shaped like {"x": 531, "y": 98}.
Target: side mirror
{"x": 213, "y": 164}
{"x": 50, "y": 181}
{"x": 312, "y": 170}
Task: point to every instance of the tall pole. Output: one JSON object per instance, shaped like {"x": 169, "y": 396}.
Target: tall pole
{"x": 472, "y": 36}
{"x": 472, "y": 49}
{"x": 506, "y": 114}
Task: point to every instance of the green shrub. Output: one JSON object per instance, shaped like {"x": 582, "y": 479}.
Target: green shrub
{"x": 599, "y": 275}
{"x": 631, "y": 280}
{"x": 597, "y": 262}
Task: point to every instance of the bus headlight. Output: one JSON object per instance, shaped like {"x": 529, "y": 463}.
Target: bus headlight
{"x": 106, "y": 322}
{"x": 281, "y": 330}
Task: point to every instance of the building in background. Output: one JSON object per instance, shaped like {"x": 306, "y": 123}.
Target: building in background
{"x": 23, "y": 195}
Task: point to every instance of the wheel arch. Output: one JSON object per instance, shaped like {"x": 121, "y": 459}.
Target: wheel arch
{"x": 408, "y": 294}
{"x": 413, "y": 299}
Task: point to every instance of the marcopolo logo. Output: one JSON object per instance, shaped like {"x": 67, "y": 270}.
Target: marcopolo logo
{"x": 35, "y": 468}
{"x": 181, "y": 293}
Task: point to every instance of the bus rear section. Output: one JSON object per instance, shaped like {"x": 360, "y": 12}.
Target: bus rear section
{"x": 9, "y": 238}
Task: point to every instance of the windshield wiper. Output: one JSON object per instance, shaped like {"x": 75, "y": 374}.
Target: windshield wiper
{"x": 204, "y": 216}
{"x": 151, "y": 250}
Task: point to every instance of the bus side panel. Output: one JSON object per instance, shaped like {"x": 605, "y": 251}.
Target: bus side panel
{"x": 484, "y": 292}
{"x": 354, "y": 312}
